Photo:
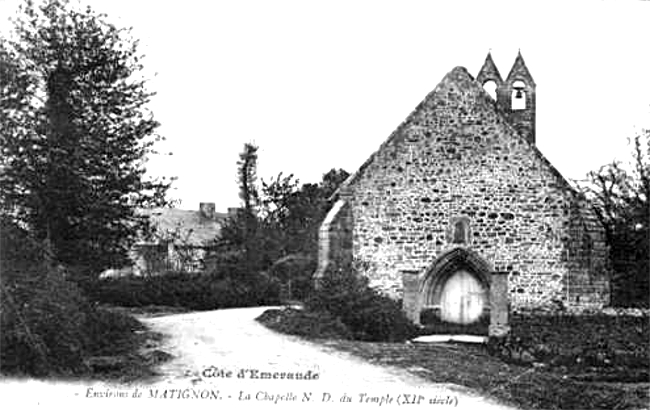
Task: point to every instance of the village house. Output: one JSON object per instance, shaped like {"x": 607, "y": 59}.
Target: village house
{"x": 458, "y": 210}
{"x": 179, "y": 241}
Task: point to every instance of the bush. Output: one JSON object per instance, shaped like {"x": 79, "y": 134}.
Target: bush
{"x": 42, "y": 326}
{"x": 369, "y": 315}
{"x": 192, "y": 291}
{"x": 305, "y": 323}
{"x": 111, "y": 332}
{"x": 294, "y": 272}
{"x": 48, "y": 327}
{"x": 41, "y": 316}
{"x": 617, "y": 336}
{"x": 612, "y": 347}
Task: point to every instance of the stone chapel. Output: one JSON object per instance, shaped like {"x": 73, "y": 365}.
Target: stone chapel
{"x": 458, "y": 196}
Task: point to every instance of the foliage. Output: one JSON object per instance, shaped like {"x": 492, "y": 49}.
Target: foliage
{"x": 48, "y": 327}
{"x": 294, "y": 272}
{"x": 470, "y": 365}
{"x": 191, "y": 291}
{"x": 620, "y": 195}
{"x": 591, "y": 347}
{"x": 76, "y": 133}
{"x": 343, "y": 306}
{"x": 305, "y": 323}
{"x": 280, "y": 219}
{"x": 240, "y": 235}
{"x": 247, "y": 177}
{"x": 112, "y": 332}
{"x": 368, "y": 314}
{"x": 296, "y": 213}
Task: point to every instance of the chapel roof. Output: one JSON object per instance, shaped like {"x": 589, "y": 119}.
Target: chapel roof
{"x": 457, "y": 78}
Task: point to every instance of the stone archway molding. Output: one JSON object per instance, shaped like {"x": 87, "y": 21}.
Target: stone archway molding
{"x": 448, "y": 263}
{"x": 417, "y": 283}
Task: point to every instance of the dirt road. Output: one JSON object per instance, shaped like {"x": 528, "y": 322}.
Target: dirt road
{"x": 241, "y": 363}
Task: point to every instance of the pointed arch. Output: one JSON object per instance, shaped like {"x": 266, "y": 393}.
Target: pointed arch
{"x": 490, "y": 86}
{"x": 446, "y": 265}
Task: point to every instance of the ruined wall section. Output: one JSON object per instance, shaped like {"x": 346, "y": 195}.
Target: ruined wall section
{"x": 455, "y": 156}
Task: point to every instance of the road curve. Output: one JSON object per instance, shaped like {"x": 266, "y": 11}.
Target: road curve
{"x": 226, "y": 353}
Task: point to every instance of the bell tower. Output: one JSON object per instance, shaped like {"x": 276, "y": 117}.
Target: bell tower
{"x": 489, "y": 76}
{"x": 515, "y": 95}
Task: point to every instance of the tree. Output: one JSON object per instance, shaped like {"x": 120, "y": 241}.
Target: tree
{"x": 620, "y": 196}
{"x": 76, "y": 134}
{"x": 279, "y": 220}
{"x": 300, "y": 211}
{"x": 238, "y": 241}
{"x": 332, "y": 180}
{"x": 247, "y": 178}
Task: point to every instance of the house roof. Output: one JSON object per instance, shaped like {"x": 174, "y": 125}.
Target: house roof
{"x": 184, "y": 227}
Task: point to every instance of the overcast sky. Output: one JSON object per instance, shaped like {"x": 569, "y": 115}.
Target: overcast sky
{"x": 322, "y": 84}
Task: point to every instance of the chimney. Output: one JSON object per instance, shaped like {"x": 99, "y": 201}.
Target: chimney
{"x": 207, "y": 210}
{"x": 232, "y": 212}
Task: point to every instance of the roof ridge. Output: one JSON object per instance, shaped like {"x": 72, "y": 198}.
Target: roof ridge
{"x": 451, "y": 77}
{"x": 341, "y": 190}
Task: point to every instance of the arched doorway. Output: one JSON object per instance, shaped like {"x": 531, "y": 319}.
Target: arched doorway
{"x": 456, "y": 287}
{"x": 462, "y": 298}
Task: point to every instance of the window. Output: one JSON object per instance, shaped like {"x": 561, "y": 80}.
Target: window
{"x": 459, "y": 230}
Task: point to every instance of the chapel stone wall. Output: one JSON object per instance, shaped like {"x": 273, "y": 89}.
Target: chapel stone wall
{"x": 455, "y": 158}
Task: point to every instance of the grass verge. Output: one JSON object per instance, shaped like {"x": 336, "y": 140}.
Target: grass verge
{"x": 473, "y": 367}
{"x": 531, "y": 387}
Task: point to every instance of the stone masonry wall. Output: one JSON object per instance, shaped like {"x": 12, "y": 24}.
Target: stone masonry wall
{"x": 587, "y": 257}
{"x": 335, "y": 239}
{"x": 456, "y": 156}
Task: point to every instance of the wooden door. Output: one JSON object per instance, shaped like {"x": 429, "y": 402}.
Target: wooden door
{"x": 462, "y": 299}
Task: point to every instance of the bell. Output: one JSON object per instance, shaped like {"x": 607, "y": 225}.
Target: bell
{"x": 519, "y": 94}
